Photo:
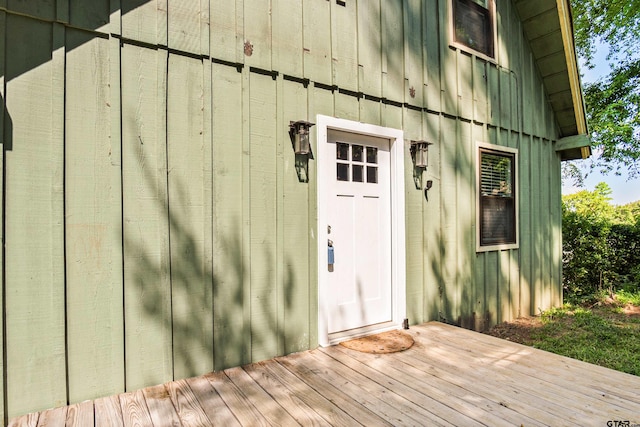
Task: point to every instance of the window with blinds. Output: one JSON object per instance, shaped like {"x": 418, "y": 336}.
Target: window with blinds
{"x": 473, "y": 25}
{"x": 497, "y": 216}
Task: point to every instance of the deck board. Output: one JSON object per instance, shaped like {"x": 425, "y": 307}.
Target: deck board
{"x": 108, "y": 412}
{"x": 274, "y": 378}
{"x": 348, "y": 412}
{"x": 451, "y": 376}
{"x": 244, "y": 410}
{"x": 439, "y": 409}
{"x": 161, "y": 409}
{"x": 135, "y": 412}
{"x": 53, "y": 417}
{"x": 80, "y": 414}
{"x": 211, "y": 402}
{"x": 28, "y": 420}
{"x": 186, "y": 403}
{"x": 392, "y": 407}
{"x": 268, "y": 407}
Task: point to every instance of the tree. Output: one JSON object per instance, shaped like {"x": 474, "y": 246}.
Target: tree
{"x": 613, "y": 103}
{"x": 613, "y": 113}
{"x": 614, "y": 22}
{"x": 594, "y": 206}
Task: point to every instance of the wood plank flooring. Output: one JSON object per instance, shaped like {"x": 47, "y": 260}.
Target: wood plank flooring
{"x": 450, "y": 377}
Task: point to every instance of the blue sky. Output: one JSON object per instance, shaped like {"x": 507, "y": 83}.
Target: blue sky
{"x": 624, "y": 190}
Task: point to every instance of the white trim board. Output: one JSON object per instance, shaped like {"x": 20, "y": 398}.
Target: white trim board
{"x": 398, "y": 252}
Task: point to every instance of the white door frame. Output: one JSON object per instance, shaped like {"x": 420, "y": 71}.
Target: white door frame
{"x": 398, "y": 256}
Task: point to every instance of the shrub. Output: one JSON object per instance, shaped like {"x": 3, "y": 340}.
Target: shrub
{"x": 601, "y": 244}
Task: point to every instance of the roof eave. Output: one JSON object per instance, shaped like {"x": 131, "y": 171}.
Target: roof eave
{"x": 566, "y": 28}
{"x": 548, "y": 26}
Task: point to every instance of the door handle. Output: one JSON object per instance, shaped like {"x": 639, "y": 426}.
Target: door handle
{"x": 330, "y": 253}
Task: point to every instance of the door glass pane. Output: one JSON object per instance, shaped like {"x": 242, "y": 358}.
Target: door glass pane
{"x": 372, "y": 155}
{"x": 342, "y": 151}
{"x": 372, "y": 174}
{"x": 357, "y": 173}
{"x": 356, "y": 153}
{"x": 342, "y": 172}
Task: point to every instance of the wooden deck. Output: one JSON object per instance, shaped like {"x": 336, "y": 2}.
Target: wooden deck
{"x": 451, "y": 376}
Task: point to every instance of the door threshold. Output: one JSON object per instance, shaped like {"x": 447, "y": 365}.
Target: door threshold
{"x": 338, "y": 337}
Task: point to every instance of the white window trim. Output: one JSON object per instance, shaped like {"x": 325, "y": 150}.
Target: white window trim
{"x": 452, "y": 34}
{"x": 398, "y": 250}
{"x": 498, "y": 149}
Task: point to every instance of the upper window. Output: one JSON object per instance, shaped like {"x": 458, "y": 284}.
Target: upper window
{"x": 473, "y": 25}
{"x": 497, "y": 213}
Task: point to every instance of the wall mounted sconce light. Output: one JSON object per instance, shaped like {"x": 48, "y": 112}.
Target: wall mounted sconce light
{"x": 299, "y": 132}
{"x": 420, "y": 151}
{"x": 420, "y": 157}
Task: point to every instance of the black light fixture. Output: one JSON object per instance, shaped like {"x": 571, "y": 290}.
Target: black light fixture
{"x": 299, "y": 132}
{"x": 420, "y": 151}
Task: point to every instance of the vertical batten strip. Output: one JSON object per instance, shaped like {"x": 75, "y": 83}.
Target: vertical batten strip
{"x": 3, "y": 141}
{"x": 279, "y": 258}
{"x": 163, "y": 214}
{"x": 58, "y": 99}
{"x": 312, "y": 225}
{"x": 115, "y": 108}
{"x": 208, "y": 195}
{"x": 245, "y": 275}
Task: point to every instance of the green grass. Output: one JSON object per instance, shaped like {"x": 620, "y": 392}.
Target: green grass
{"x": 627, "y": 297}
{"x": 602, "y": 335}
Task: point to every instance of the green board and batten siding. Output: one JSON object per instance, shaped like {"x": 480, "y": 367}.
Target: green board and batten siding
{"x": 157, "y": 224}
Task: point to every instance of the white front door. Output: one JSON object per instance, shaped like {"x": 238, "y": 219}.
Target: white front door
{"x": 360, "y": 188}
{"x": 359, "y": 230}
